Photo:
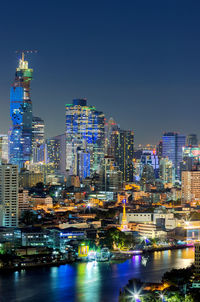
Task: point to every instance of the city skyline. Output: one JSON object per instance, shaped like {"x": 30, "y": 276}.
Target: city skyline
{"x": 129, "y": 69}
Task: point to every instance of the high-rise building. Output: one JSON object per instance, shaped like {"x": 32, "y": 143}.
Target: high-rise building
{"x": 172, "y": 146}
{"x": 110, "y": 127}
{"x": 122, "y": 144}
{"x": 38, "y": 139}
{"x": 23, "y": 201}
{"x": 110, "y": 175}
{"x": 20, "y": 147}
{"x": 150, "y": 158}
{"x": 85, "y": 130}
{"x": 82, "y": 163}
{"x": 166, "y": 171}
{"x": 28, "y": 179}
{"x": 8, "y": 195}
{"x": 56, "y": 153}
{"x": 190, "y": 186}
{"x": 192, "y": 140}
{"x": 3, "y": 148}
{"x": 191, "y": 158}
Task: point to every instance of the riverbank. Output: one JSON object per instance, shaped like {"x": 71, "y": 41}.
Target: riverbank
{"x": 123, "y": 255}
{"x": 90, "y": 281}
{"x": 27, "y": 266}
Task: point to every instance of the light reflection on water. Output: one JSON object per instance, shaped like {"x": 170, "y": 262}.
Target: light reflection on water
{"x": 88, "y": 282}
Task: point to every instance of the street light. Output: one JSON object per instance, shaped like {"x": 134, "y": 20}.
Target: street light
{"x": 136, "y": 297}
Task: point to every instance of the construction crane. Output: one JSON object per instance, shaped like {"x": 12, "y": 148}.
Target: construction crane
{"x": 22, "y": 52}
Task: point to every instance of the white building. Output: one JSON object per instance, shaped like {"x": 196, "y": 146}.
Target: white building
{"x": 151, "y": 230}
{"x": 8, "y": 195}
{"x": 166, "y": 220}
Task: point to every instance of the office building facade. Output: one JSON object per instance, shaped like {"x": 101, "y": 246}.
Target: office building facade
{"x": 172, "y": 145}
{"x": 8, "y": 195}
{"x": 38, "y": 140}
{"x": 122, "y": 145}
{"x": 85, "y": 130}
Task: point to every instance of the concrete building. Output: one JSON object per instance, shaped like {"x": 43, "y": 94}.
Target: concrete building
{"x": 8, "y": 195}
{"x": 28, "y": 179}
{"x": 23, "y": 201}
{"x": 150, "y": 230}
{"x": 190, "y": 186}
{"x": 165, "y": 220}
{"x": 197, "y": 258}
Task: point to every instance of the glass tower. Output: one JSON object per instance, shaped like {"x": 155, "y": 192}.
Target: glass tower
{"x": 122, "y": 145}
{"x": 85, "y": 130}
{"x": 38, "y": 140}
{"x": 173, "y": 144}
{"x": 20, "y": 142}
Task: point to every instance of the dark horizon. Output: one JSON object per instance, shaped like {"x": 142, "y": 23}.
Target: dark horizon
{"x": 137, "y": 63}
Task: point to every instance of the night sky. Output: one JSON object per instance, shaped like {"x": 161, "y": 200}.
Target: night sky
{"x": 137, "y": 61}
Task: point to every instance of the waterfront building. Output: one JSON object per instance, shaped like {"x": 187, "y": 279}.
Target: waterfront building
{"x": 85, "y": 130}
{"x": 122, "y": 144}
{"x": 172, "y": 144}
{"x": 38, "y": 139}
{"x": 8, "y": 195}
{"x": 167, "y": 172}
{"x": 190, "y": 186}
{"x": 20, "y": 140}
{"x": 3, "y": 148}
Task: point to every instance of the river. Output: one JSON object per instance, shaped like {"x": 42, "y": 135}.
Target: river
{"x": 88, "y": 282}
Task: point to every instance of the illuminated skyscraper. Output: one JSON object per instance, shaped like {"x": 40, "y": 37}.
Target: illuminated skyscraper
{"x": 20, "y": 148}
{"x": 38, "y": 140}
{"x": 173, "y": 144}
{"x": 122, "y": 145}
{"x": 85, "y": 130}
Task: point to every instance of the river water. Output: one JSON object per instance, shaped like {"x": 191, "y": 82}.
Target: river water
{"x": 88, "y": 282}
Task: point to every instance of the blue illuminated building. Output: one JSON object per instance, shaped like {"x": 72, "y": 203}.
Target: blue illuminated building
{"x": 85, "y": 130}
{"x": 20, "y": 141}
{"x": 172, "y": 148}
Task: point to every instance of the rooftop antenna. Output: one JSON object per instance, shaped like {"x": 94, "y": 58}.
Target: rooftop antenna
{"x": 23, "y": 52}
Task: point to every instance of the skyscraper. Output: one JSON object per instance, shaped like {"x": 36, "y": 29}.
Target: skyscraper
{"x": 38, "y": 140}
{"x": 192, "y": 140}
{"x": 85, "y": 130}
{"x": 173, "y": 144}
{"x": 8, "y": 195}
{"x": 3, "y": 148}
{"x": 56, "y": 153}
{"x": 20, "y": 147}
{"x": 122, "y": 145}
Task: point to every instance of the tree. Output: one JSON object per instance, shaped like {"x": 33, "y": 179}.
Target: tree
{"x": 116, "y": 238}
